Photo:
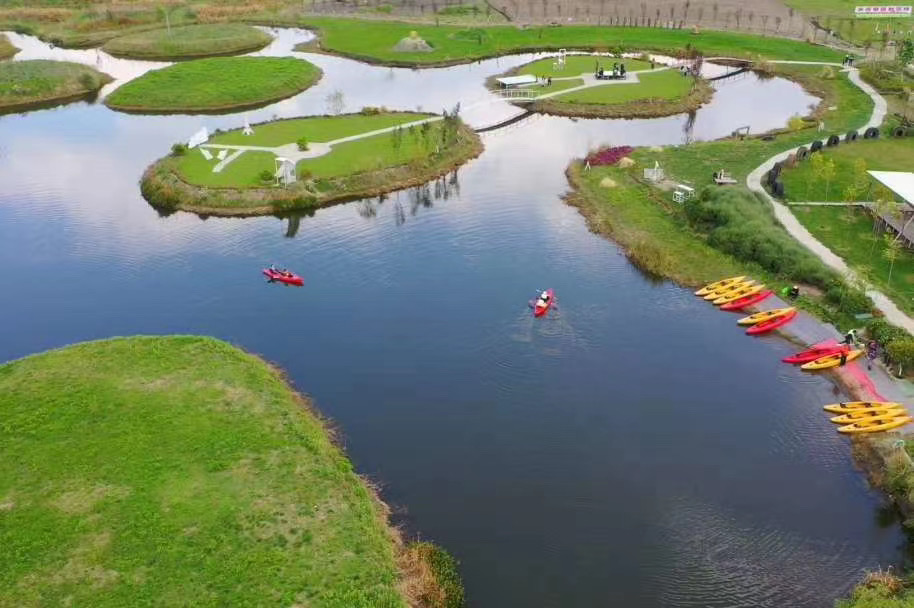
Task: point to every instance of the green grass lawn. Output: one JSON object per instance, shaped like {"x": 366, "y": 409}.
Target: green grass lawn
{"x": 217, "y": 83}
{"x": 375, "y": 41}
{"x": 850, "y": 234}
{"x": 885, "y": 154}
{"x": 668, "y": 84}
{"x": 557, "y": 85}
{"x": 40, "y": 80}
{"x": 695, "y": 163}
{"x": 189, "y": 42}
{"x": 175, "y": 471}
{"x": 7, "y": 49}
{"x": 578, "y": 64}
{"x": 315, "y": 128}
{"x": 344, "y": 159}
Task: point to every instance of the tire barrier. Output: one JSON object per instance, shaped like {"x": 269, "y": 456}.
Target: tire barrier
{"x": 816, "y": 146}
{"x": 777, "y": 188}
{"x": 899, "y": 132}
{"x": 851, "y": 136}
{"x": 871, "y": 133}
{"x": 802, "y": 153}
{"x": 833, "y": 141}
{"x": 774, "y": 173}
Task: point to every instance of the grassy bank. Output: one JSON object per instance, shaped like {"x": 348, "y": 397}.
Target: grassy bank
{"x": 40, "y": 82}
{"x": 188, "y": 42}
{"x": 151, "y": 470}
{"x": 7, "y": 49}
{"x": 657, "y": 94}
{"x": 219, "y": 83}
{"x": 366, "y": 167}
{"x": 375, "y": 41}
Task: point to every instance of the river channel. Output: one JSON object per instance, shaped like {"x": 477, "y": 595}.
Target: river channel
{"x": 635, "y": 448}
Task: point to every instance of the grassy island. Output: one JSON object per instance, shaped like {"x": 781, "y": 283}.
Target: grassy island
{"x": 7, "y": 49}
{"x": 376, "y": 41}
{"x": 151, "y": 470}
{"x": 219, "y": 83}
{"x": 336, "y": 158}
{"x": 189, "y": 42}
{"x": 40, "y": 83}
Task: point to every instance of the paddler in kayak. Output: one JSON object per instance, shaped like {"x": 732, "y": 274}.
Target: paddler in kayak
{"x": 544, "y": 298}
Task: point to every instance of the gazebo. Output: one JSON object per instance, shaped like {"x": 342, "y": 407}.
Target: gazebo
{"x": 901, "y": 183}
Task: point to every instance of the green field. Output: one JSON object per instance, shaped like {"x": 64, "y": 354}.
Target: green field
{"x": 375, "y": 41}
{"x": 838, "y": 15}
{"x": 41, "y": 81}
{"x": 176, "y": 471}
{"x": 885, "y": 154}
{"x": 578, "y": 64}
{"x": 7, "y": 50}
{"x": 189, "y": 42}
{"x": 215, "y": 84}
{"x": 318, "y": 128}
{"x": 697, "y": 162}
{"x": 665, "y": 85}
{"x": 347, "y": 158}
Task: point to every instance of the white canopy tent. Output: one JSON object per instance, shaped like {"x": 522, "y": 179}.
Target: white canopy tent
{"x": 200, "y": 137}
{"x": 285, "y": 171}
{"x": 899, "y": 182}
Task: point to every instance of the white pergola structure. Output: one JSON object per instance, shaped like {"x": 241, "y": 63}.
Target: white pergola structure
{"x": 901, "y": 183}
{"x": 285, "y": 171}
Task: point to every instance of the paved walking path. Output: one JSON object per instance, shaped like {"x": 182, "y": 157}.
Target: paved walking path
{"x": 793, "y": 226}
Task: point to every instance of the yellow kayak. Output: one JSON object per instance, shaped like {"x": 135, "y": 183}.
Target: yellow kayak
{"x": 742, "y": 292}
{"x": 847, "y": 407}
{"x": 875, "y": 426}
{"x": 713, "y": 295}
{"x": 869, "y": 416}
{"x": 831, "y": 360}
{"x": 716, "y": 285}
{"x": 765, "y": 315}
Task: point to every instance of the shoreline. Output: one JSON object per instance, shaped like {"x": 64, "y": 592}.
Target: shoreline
{"x": 165, "y": 189}
{"x": 43, "y": 103}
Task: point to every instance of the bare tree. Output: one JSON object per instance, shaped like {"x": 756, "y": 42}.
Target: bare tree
{"x": 751, "y": 18}
{"x": 739, "y": 15}
{"x": 765, "y": 22}
{"x": 335, "y": 102}
{"x": 715, "y": 8}
{"x": 777, "y": 23}
{"x": 685, "y": 9}
{"x": 701, "y": 12}
{"x": 672, "y": 10}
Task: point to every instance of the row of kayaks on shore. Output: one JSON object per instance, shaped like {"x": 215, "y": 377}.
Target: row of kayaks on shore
{"x": 737, "y": 293}
{"x": 868, "y": 416}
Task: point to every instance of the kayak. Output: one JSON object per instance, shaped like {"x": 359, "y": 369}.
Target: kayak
{"x": 875, "y": 426}
{"x": 833, "y": 360}
{"x": 289, "y": 279}
{"x": 815, "y": 353}
{"x": 858, "y": 406}
{"x": 742, "y": 292}
{"x": 766, "y": 326}
{"x": 747, "y": 301}
{"x": 718, "y": 285}
{"x": 539, "y": 309}
{"x": 713, "y": 295}
{"x": 868, "y": 416}
{"x": 765, "y": 315}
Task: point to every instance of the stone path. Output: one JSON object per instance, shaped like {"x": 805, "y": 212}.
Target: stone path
{"x": 785, "y": 216}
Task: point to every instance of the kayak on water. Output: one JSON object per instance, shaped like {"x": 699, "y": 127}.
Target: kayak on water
{"x": 858, "y": 406}
{"x": 875, "y": 426}
{"x": 742, "y": 292}
{"x": 713, "y": 295}
{"x": 543, "y": 303}
{"x": 766, "y": 326}
{"x": 868, "y": 416}
{"x": 718, "y": 285}
{"x": 833, "y": 360}
{"x": 747, "y": 301}
{"x": 817, "y": 352}
{"x": 283, "y": 276}
{"x": 765, "y": 315}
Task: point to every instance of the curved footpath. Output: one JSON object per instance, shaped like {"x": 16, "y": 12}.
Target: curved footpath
{"x": 793, "y": 226}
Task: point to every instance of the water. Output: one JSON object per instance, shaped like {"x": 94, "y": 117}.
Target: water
{"x": 634, "y": 447}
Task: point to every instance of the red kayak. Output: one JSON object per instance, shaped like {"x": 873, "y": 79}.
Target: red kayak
{"x": 747, "y": 301}
{"x": 289, "y": 278}
{"x": 540, "y": 307}
{"x": 766, "y": 326}
{"x": 814, "y": 353}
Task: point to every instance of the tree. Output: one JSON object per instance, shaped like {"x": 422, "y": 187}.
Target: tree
{"x": 335, "y": 102}
{"x": 905, "y": 55}
{"x": 828, "y": 173}
{"x": 815, "y": 163}
{"x": 891, "y": 251}
{"x": 851, "y": 195}
{"x": 715, "y": 9}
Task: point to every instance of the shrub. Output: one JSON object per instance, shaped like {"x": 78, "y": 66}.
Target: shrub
{"x": 88, "y": 82}
{"x": 902, "y": 352}
{"x": 302, "y": 143}
{"x": 370, "y": 110}
{"x": 266, "y": 176}
{"x": 608, "y": 156}
{"x": 178, "y": 149}
{"x": 796, "y": 122}
{"x": 884, "y": 333}
{"x": 848, "y": 299}
{"x": 304, "y": 174}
